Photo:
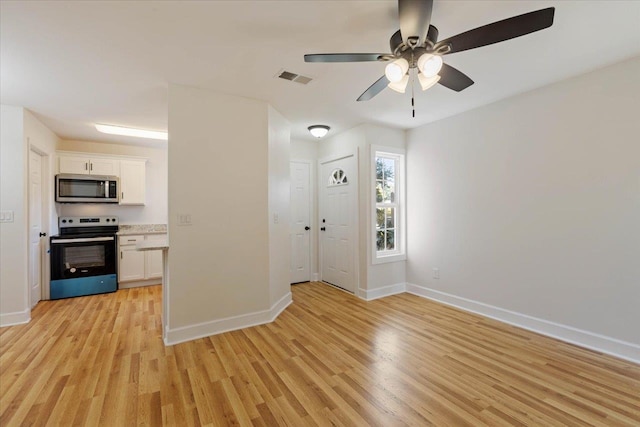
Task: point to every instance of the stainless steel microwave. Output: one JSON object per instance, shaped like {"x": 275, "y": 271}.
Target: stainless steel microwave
{"x": 71, "y": 188}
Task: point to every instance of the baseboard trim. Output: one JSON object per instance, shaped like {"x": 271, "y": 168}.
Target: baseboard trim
{"x": 15, "y": 318}
{"x": 601, "y": 343}
{"x": 214, "y": 327}
{"x": 385, "y": 291}
{"x": 139, "y": 283}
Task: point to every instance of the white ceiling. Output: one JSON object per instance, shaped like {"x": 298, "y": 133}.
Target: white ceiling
{"x": 79, "y": 63}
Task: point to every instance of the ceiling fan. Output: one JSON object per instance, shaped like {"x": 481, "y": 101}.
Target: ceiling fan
{"x": 415, "y": 46}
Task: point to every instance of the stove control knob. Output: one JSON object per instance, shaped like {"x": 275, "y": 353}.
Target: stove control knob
{"x": 113, "y": 219}
{"x": 70, "y": 220}
{"x": 108, "y": 220}
{"x": 64, "y": 221}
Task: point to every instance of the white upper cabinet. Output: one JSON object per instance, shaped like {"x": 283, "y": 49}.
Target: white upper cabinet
{"x": 131, "y": 171}
{"x": 89, "y": 166}
{"x": 132, "y": 182}
{"x": 109, "y": 167}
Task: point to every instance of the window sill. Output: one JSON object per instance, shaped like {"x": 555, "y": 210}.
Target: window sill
{"x": 383, "y": 259}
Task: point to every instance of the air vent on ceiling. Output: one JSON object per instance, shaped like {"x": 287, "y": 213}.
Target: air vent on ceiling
{"x": 287, "y": 75}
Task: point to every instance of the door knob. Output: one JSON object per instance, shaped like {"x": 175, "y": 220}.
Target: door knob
{"x": 43, "y": 234}
{"x": 307, "y": 228}
{"x": 323, "y": 228}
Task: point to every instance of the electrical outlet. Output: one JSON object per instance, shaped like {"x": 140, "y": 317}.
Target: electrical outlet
{"x": 276, "y": 218}
{"x": 436, "y": 273}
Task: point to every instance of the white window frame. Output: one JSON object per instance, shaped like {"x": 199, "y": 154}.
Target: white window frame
{"x": 399, "y": 254}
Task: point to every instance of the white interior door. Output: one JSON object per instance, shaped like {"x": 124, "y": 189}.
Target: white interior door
{"x": 35, "y": 227}
{"x": 338, "y": 219}
{"x": 300, "y": 222}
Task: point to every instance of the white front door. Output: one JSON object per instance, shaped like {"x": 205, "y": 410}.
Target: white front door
{"x": 338, "y": 219}
{"x": 300, "y": 222}
{"x": 35, "y": 227}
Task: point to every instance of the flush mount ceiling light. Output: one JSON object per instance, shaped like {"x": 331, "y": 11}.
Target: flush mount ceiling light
{"x": 139, "y": 133}
{"x": 318, "y": 130}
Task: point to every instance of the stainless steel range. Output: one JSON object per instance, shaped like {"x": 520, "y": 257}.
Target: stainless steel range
{"x": 83, "y": 257}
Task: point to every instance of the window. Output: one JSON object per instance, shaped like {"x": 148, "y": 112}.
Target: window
{"x": 388, "y": 215}
{"x": 338, "y": 177}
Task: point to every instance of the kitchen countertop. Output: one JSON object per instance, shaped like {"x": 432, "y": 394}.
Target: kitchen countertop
{"x": 152, "y": 245}
{"x": 142, "y": 229}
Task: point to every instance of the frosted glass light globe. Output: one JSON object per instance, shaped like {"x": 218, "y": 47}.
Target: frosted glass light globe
{"x": 396, "y": 70}
{"x": 429, "y": 65}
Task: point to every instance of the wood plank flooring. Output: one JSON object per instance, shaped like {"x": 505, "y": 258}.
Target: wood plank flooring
{"x": 329, "y": 359}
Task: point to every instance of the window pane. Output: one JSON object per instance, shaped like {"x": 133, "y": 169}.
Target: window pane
{"x": 389, "y": 168}
{"x": 388, "y": 194}
{"x": 390, "y": 241}
{"x": 379, "y": 191}
{"x": 380, "y": 240}
{"x": 379, "y": 167}
{"x": 380, "y": 218}
{"x": 391, "y": 220}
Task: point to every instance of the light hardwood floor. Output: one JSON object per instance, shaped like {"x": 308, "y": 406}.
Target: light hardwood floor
{"x": 329, "y": 359}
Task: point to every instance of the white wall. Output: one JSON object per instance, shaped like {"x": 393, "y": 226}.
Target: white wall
{"x": 304, "y": 150}
{"x": 219, "y": 175}
{"x": 20, "y": 132}
{"x": 156, "y": 208}
{"x": 371, "y": 277}
{"x": 532, "y": 205}
{"x": 279, "y": 132}
{"x": 14, "y": 302}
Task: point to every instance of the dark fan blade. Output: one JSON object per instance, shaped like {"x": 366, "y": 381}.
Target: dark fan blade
{"x": 345, "y": 57}
{"x": 374, "y": 89}
{"x": 415, "y": 17}
{"x": 500, "y": 31}
{"x": 453, "y": 78}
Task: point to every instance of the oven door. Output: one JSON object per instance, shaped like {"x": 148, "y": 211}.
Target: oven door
{"x": 78, "y": 257}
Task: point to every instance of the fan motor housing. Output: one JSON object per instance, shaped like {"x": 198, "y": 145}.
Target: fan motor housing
{"x": 398, "y": 46}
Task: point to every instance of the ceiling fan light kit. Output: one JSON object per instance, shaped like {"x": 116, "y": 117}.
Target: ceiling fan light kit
{"x": 318, "y": 131}
{"x": 427, "y": 82}
{"x": 396, "y": 70}
{"x": 429, "y": 65}
{"x": 400, "y": 86}
{"x": 415, "y": 46}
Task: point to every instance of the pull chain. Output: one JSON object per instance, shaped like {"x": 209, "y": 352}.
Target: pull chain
{"x": 413, "y": 104}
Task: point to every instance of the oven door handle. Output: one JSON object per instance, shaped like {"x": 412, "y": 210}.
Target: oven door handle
{"x": 82, "y": 240}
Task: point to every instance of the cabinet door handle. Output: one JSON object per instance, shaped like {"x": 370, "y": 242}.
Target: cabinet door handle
{"x": 86, "y": 166}
{"x": 122, "y": 196}
{"x": 121, "y": 252}
{"x": 90, "y": 166}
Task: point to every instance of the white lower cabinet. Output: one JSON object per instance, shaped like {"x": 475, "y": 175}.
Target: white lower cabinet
{"x": 138, "y": 268}
{"x": 131, "y": 264}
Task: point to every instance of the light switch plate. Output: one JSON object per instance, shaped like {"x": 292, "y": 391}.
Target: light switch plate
{"x": 6, "y": 216}
{"x": 184, "y": 219}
